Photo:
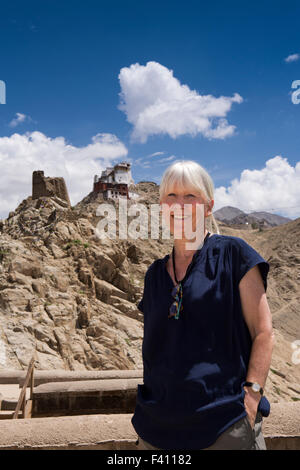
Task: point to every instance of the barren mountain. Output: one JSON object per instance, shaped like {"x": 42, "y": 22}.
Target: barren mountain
{"x": 73, "y": 296}
{"x": 227, "y": 213}
{"x": 233, "y": 216}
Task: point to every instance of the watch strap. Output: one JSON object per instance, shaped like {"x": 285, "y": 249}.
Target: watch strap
{"x": 249, "y": 384}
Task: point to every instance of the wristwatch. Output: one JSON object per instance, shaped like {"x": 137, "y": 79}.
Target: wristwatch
{"x": 255, "y": 387}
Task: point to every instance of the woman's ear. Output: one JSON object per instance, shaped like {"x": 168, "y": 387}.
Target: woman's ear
{"x": 209, "y": 207}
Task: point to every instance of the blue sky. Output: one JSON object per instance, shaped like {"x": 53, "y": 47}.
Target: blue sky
{"x": 202, "y": 81}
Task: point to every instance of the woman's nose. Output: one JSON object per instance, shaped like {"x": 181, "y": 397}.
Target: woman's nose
{"x": 180, "y": 200}
{"x": 178, "y": 205}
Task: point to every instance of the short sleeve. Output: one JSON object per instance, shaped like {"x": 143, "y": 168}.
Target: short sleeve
{"x": 244, "y": 258}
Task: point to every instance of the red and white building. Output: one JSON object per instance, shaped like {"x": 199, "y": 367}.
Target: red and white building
{"x": 114, "y": 182}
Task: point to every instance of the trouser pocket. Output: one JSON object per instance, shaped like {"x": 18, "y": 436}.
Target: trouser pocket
{"x": 250, "y": 429}
{"x": 239, "y": 436}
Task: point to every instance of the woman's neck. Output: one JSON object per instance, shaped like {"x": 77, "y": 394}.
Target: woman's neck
{"x": 182, "y": 254}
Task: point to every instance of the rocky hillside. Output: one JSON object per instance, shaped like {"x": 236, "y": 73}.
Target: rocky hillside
{"x": 68, "y": 293}
{"x": 73, "y": 296}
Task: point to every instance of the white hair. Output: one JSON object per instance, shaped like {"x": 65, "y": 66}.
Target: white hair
{"x": 190, "y": 175}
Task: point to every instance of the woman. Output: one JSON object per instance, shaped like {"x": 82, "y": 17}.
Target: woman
{"x": 207, "y": 332}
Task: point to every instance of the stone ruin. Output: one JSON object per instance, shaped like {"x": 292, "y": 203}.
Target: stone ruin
{"x": 49, "y": 186}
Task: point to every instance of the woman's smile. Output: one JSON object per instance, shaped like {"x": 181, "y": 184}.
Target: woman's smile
{"x": 180, "y": 217}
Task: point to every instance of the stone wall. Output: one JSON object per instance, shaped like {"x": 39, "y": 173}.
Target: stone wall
{"x": 106, "y": 396}
{"x": 115, "y": 431}
{"x": 111, "y": 397}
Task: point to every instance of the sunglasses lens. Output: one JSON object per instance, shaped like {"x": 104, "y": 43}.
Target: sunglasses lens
{"x": 173, "y": 309}
{"x": 177, "y": 294}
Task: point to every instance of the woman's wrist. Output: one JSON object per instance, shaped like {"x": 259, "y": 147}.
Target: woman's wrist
{"x": 256, "y": 396}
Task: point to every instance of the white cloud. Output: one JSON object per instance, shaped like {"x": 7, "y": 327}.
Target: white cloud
{"x": 167, "y": 159}
{"x": 145, "y": 164}
{"x": 141, "y": 162}
{"x": 292, "y": 58}
{"x": 18, "y": 119}
{"x": 273, "y": 187}
{"x": 155, "y": 102}
{"x": 20, "y": 155}
{"x": 155, "y": 154}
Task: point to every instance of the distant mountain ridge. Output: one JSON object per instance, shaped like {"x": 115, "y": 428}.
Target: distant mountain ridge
{"x": 234, "y": 216}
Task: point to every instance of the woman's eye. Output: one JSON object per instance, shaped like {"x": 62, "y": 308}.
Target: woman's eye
{"x": 189, "y": 196}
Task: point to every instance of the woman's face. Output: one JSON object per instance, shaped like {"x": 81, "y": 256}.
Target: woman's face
{"x": 184, "y": 210}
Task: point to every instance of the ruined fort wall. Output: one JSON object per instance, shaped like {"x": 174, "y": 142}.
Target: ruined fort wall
{"x": 49, "y": 186}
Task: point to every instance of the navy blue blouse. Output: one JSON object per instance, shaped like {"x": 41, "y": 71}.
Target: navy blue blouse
{"x": 195, "y": 366}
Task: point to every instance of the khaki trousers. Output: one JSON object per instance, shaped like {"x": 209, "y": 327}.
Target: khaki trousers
{"x": 239, "y": 436}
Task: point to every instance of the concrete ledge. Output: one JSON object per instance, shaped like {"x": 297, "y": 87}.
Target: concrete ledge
{"x": 11, "y": 376}
{"x": 86, "y": 386}
{"x": 104, "y": 432}
{"x": 283, "y": 442}
{"x": 41, "y": 376}
{"x": 115, "y": 432}
{"x": 45, "y": 376}
{"x": 85, "y": 397}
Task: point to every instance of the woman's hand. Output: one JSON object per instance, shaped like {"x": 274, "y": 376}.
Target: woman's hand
{"x": 251, "y": 402}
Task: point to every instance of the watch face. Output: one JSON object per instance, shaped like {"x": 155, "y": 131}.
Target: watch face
{"x": 256, "y": 387}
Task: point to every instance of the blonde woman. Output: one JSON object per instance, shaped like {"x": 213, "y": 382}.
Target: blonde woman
{"x": 208, "y": 334}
